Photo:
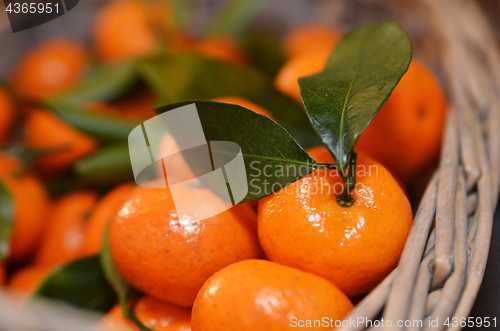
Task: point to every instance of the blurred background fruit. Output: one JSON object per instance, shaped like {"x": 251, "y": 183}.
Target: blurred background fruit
{"x": 31, "y": 205}
{"x": 25, "y": 280}
{"x": 63, "y": 144}
{"x": 100, "y": 218}
{"x": 310, "y": 38}
{"x": 406, "y": 134}
{"x": 261, "y": 295}
{"x": 49, "y": 68}
{"x": 123, "y": 30}
{"x": 63, "y": 234}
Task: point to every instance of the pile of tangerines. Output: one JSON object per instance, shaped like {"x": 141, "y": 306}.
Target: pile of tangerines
{"x": 294, "y": 256}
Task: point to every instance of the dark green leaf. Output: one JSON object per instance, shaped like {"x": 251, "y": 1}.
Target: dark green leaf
{"x": 193, "y": 77}
{"x": 104, "y": 127}
{"x": 234, "y": 17}
{"x": 264, "y": 49}
{"x": 7, "y": 205}
{"x": 359, "y": 77}
{"x": 273, "y": 159}
{"x": 80, "y": 283}
{"x": 119, "y": 285}
{"x": 103, "y": 83}
{"x": 122, "y": 289}
{"x": 109, "y": 165}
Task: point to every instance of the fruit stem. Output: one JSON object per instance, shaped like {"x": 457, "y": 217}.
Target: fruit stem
{"x": 345, "y": 199}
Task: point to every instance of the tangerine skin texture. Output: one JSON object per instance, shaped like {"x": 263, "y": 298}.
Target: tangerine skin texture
{"x": 261, "y": 295}
{"x": 170, "y": 256}
{"x": 406, "y": 134}
{"x": 303, "y": 226}
{"x": 153, "y": 313}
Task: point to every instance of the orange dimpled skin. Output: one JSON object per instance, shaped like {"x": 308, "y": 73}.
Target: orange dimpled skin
{"x": 245, "y": 103}
{"x": 405, "y": 136}
{"x": 51, "y": 67}
{"x": 63, "y": 236}
{"x": 303, "y": 226}
{"x": 6, "y": 116}
{"x": 100, "y": 218}
{"x": 26, "y": 280}
{"x": 123, "y": 30}
{"x": 170, "y": 256}
{"x": 31, "y": 205}
{"x": 43, "y": 130}
{"x": 153, "y": 313}
{"x": 309, "y": 38}
{"x": 261, "y": 295}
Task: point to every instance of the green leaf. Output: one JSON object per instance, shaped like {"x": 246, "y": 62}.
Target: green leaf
{"x": 104, "y": 83}
{"x": 193, "y": 77}
{"x": 265, "y": 50}
{"x": 273, "y": 159}
{"x": 119, "y": 285}
{"x": 122, "y": 289}
{"x": 7, "y": 205}
{"x": 360, "y": 74}
{"x": 104, "y": 127}
{"x": 109, "y": 165}
{"x": 80, "y": 283}
{"x": 234, "y": 17}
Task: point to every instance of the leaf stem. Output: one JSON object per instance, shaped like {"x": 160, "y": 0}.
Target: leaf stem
{"x": 345, "y": 198}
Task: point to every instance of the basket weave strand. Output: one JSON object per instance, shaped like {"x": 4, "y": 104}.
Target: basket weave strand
{"x": 442, "y": 266}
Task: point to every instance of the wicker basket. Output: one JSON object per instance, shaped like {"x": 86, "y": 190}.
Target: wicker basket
{"x": 443, "y": 263}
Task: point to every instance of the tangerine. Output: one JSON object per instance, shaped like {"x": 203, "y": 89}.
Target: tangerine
{"x": 153, "y": 313}
{"x": 63, "y": 237}
{"x": 49, "y": 68}
{"x": 309, "y": 38}
{"x": 170, "y": 255}
{"x": 101, "y": 216}
{"x": 64, "y": 145}
{"x": 416, "y": 108}
{"x": 220, "y": 48}
{"x": 124, "y": 30}
{"x": 300, "y": 65}
{"x": 31, "y": 206}
{"x": 303, "y": 226}
{"x": 266, "y": 296}
{"x": 27, "y": 279}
